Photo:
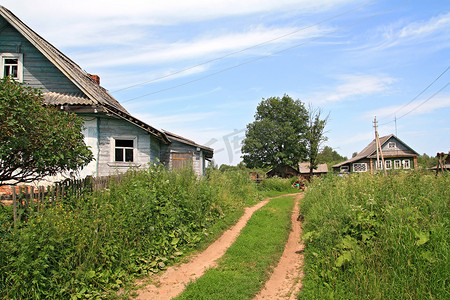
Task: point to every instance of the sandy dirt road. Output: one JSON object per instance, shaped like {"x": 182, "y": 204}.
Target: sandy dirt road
{"x": 173, "y": 281}
{"x": 283, "y": 284}
{"x": 285, "y": 281}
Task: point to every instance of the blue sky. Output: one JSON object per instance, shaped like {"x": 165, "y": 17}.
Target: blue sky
{"x": 199, "y": 68}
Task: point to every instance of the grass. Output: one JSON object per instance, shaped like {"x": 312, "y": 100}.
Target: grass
{"x": 377, "y": 237}
{"x": 94, "y": 246}
{"x": 246, "y": 265}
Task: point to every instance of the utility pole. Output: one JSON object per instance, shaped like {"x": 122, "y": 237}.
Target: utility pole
{"x": 395, "y": 120}
{"x": 379, "y": 150}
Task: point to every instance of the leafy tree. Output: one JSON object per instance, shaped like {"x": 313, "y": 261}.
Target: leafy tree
{"x": 426, "y": 161}
{"x": 330, "y": 156}
{"x": 36, "y": 141}
{"x": 315, "y": 135}
{"x": 276, "y": 137}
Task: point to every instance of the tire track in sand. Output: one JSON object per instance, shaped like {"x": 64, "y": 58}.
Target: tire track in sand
{"x": 173, "y": 281}
{"x": 285, "y": 281}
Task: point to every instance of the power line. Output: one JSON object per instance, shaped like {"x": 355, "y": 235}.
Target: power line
{"x": 428, "y": 99}
{"x": 269, "y": 55}
{"x": 245, "y": 49}
{"x": 417, "y": 96}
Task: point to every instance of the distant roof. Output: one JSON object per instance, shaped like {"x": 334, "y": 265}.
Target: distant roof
{"x": 446, "y": 166}
{"x": 303, "y": 167}
{"x": 94, "y": 93}
{"x": 371, "y": 150}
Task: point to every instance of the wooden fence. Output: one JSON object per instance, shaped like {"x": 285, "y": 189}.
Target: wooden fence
{"x": 28, "y": 199}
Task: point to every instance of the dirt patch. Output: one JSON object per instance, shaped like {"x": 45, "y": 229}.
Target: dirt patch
{"x": 173, "y": 281}
{"x": 285, "y": 281}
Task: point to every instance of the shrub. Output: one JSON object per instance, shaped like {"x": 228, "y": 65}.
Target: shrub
{"x": 377, "y": 237}
{"x": 101, "y": 242}
{"x": 277, "y": 184}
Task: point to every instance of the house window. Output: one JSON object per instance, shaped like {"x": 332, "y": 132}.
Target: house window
{"x": 379, "y": 165}
{"x": 124, "y": 150}
{"x": 344, "y": 169}
{"x": 11, "y": 65}
{"x": 388, "y": 164}
{"x": 397, "y": 164}
{"x": 406, "y": 164}
{"x": 392, "y": 145}
{"x": 360, "y": 167}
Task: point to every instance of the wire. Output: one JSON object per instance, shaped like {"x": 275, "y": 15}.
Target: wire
{"x": 428, "y": 99}
{"x": 417, "y": 96}
{"x": 245, "y": 49}
{"x": 269, "y": 55}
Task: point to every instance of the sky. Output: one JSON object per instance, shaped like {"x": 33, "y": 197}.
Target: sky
{"x": 199, "y": 68}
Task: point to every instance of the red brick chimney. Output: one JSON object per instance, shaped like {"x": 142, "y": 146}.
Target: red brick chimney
{"x": 96, "y": 78}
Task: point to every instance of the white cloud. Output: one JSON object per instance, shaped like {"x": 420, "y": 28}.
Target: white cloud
{"x": 434, "y": 29}
{"x": 211, "y": 46}
{"x": 415, "y": 108}
{"x": 163, "y": 12}
{"x": 433, "y": 26}
{"x": 352, "y": 86}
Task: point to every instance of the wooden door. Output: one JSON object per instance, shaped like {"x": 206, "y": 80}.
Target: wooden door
{"x": 180, "y": 160}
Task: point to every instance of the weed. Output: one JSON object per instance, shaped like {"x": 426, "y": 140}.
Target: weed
{"x": 376, "y": 237}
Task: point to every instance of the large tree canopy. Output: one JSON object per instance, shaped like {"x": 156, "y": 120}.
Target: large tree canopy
{"x": 36, "y": 141}
{"x": 276, "y": 137}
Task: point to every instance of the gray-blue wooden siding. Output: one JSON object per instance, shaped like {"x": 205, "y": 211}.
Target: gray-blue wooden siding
{"x": 38, "y": 71}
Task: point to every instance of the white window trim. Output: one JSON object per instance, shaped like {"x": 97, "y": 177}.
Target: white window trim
{"x": 406, "y": 164}
{"x": 393, "y": 144}
{"x": 388, "y": 164}
{"x": 365, "y": 166}
{"x": 19, "y": 57}
{"x": 112, "y": 159}
{"x": 344, "y": 169}
{"x": 399, "y": 164}
{"x": 379, "y": 165}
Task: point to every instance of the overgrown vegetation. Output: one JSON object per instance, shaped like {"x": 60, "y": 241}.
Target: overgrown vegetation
{"x": 278, "y": 184}
{"x": 376, "y": 237}
{"x": 245, "y": 266}
{"x": 36, "y": 141}
{"x": 91, "y": 247}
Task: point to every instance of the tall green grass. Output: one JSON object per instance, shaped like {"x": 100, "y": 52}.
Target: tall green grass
{"x": 376, "y": 237}
{"x": 278, "y": 184}
{"x": 91, "y": 247}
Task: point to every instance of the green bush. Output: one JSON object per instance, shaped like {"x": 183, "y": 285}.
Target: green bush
{"x": 101, "y": 242}
{"x": 377, "y": 237}
{"x": 277, "y": 184}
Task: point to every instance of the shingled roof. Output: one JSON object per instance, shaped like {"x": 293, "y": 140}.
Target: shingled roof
{"x": 174, "y": 137}
{"x": 370, "y": 151}
{"x": 94, "y": 94}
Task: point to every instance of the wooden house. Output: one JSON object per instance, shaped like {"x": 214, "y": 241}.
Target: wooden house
{"x": 304, "y": 171}
{"x": 397, "y": 156}
{"x": 282, "y": 172}
{"x": 118, "y": 140}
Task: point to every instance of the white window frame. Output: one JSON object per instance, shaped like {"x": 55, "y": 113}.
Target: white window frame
{"x": 19, "y": 57}
{"x": 392, "y": 145}
{"x": 397, "y": 164}
{"x": 379, "y": 164}
{"x": 344, "y": 169}
{"x": 388, "y": 164}
{"x": 360, "y": 164}
{"x": 113, "y": 149}
{"x": 406, "y": 164}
